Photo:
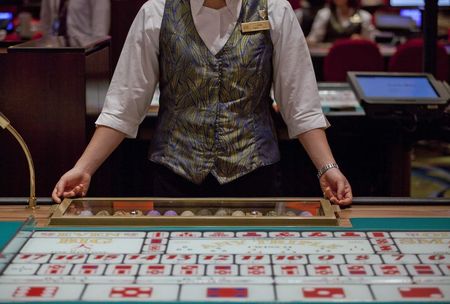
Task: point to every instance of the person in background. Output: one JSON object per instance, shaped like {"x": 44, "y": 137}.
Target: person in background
{"x": 339, "y": 20}
{"x": 443, "y": 30}
{"x": 298, "y": 9}
{"x": 80, "y": 20}
{"x": 309, "y": 11}
{"x": 215, "y": 136}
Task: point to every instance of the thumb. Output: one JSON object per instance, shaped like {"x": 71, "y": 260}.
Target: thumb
{"x": 60, "y": 187}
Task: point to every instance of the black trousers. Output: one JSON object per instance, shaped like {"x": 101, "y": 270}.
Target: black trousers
{"x": 262, "y": 182}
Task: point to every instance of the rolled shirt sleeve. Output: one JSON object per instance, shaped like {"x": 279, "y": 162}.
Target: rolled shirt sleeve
{"x": 295, "y": 86}
{"x": 136, "y": 75}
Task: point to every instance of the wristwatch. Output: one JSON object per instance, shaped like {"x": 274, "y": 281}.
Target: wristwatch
{"x": 325, "y": 168}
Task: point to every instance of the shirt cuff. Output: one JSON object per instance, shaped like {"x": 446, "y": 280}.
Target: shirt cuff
{"x": 109, "y": 120}
{"x": 300, "y": 126}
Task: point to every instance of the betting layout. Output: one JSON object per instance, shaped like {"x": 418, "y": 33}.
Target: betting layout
{"x": 229, "y": 266}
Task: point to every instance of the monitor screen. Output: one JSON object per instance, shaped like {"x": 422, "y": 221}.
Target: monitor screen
{"x": 393, "y": 95}
{"x": 394, "y": 22}
{"x": 413, "y": 13}
{"x": 397, "y": 88}
{"x": 414, "y": 3}
{"x": 394, "y": 87}
{"x": 6, "y": 21}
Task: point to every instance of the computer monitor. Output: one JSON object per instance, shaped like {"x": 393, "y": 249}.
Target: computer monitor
{"x": 413, "y": 13}
{"x": 392, "y": 22}
{"x": 416, "y": 3}
{"x": 383, "y": 93}
{"x": 6, "y": 19}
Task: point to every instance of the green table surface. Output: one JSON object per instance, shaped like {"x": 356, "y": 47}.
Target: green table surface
{"x": 9, "y": 229}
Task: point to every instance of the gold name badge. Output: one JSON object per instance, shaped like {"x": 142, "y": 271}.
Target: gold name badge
{"x": 255, "y": 26}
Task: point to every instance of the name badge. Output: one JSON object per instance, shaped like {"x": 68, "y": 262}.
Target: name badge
{"x": 255, "y": 26}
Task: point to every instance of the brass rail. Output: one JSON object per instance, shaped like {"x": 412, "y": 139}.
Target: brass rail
{"x": 5, "y": 124}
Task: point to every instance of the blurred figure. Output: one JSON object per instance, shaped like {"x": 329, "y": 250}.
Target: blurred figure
{"x": 24, "y": 29}
{"x": 444, "y": 25}
{"x": 305, "y": 11}
{"x": 341, "y": 19}
{"x": 309, "y": 11}
{"x": 77, "y": 19}
{"x": 297, "y": 7}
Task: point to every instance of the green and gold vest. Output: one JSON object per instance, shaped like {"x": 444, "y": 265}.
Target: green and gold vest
{"x": 214, "y": 114}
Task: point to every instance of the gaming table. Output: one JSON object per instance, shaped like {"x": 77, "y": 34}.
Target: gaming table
{"x": 383, "y": 251}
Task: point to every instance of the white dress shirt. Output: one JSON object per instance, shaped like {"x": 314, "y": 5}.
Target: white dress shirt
{"x": 85, "y": 18}
{"x": 137, "y": 72}
{"x": 319, "y": 27}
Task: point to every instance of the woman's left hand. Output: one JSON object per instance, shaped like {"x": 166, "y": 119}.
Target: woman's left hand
{"x": 336, "y": 188}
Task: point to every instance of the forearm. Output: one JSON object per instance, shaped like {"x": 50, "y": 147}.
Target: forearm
{"x": 334, "y": 185}
{"x": 316, "y": 145}
{"x": 104, "y": 141}
{"x": 319, "y": 28}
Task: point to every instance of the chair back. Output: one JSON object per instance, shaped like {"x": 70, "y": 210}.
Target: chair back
{"x": 409, "y": 58}
{"x": 351, "y": 55}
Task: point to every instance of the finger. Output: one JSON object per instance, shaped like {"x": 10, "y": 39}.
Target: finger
{"x": 77, "y": 189}
{"x": 60, "y": 186}
{"x": 328, "y": 193}
{"x": 55, "y": 196}
{"x": 345, "y": 202}
{"x": 334, "y": 200}
{"x": 340, "y": 189}
{"x": 69, "y": 194}
{"x": 57, "y": 192}
{"x": 348, "y": 197}
{"x": 81, "y": 191}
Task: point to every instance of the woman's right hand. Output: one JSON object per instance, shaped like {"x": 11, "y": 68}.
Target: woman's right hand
{"x": 73, "y": 183}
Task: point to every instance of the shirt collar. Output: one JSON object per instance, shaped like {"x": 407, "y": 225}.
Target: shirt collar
{"x": 233, "y": 6}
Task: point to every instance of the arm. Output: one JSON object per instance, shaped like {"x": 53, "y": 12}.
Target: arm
{"x": 136, "y": 75}
{"x": 319, "y": 26}
{"x": 333, "y": 183}
{"x": 368, "y": 30}
{"x": 126, "y": 103}
{"x": 76, "y": 181}
{"x": 295, "y": 90}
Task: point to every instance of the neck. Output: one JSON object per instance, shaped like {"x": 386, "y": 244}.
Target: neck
{"x": 215, "y": 4}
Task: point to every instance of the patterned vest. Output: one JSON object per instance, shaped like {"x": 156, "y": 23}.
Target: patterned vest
{"x": 214, "y": 114}
{"x": 336, "y": 31}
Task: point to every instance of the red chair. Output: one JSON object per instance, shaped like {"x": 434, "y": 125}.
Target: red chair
{"x": 351, "y": 55}
{"x": 409, "y": 58}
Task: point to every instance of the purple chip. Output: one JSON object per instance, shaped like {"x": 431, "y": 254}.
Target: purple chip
{"x": 305, "y": 213}
{"x": 153, "y": 213}
{"x": 170, "y": 213}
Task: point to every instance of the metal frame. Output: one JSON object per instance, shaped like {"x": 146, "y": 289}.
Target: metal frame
{"x": 327, "y": 216}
